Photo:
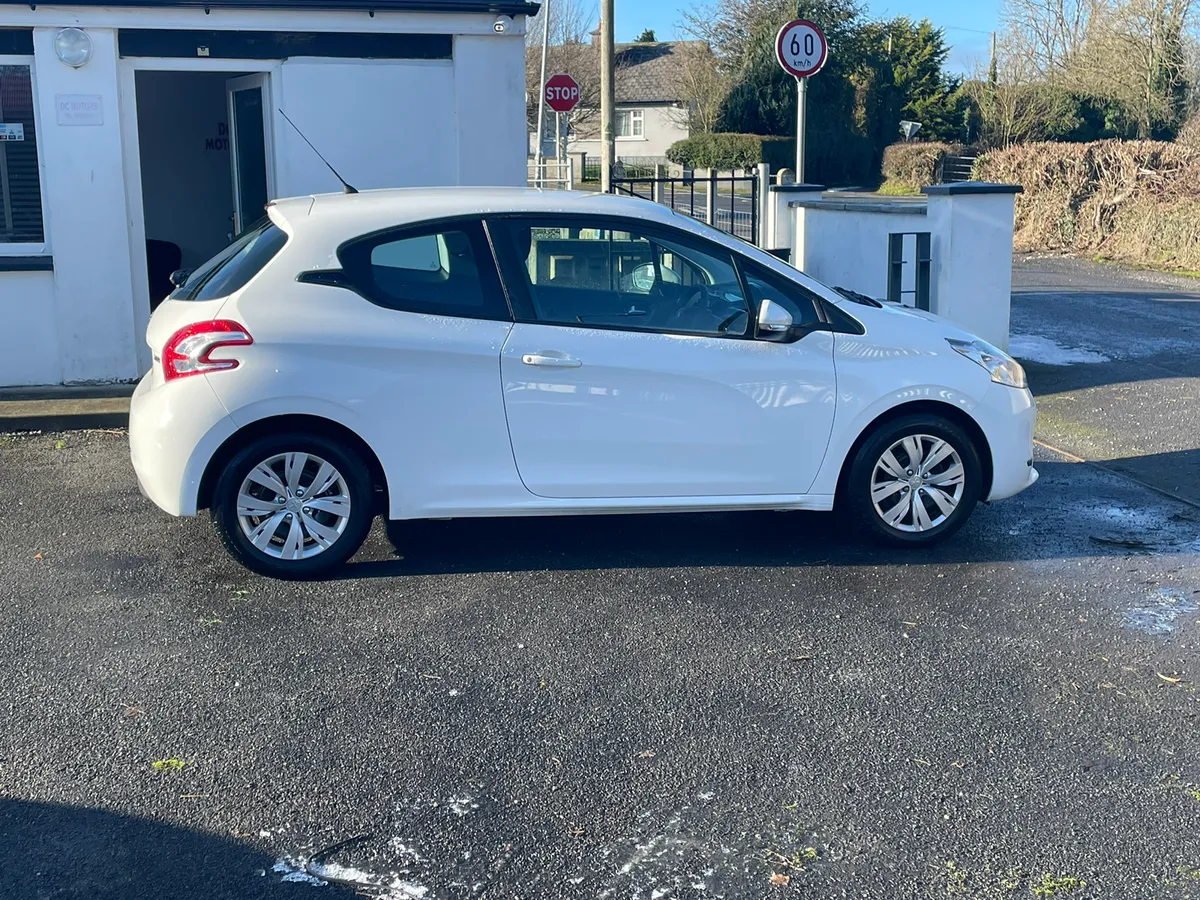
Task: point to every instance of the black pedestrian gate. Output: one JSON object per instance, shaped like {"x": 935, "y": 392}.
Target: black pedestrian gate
{"x": 728, "y": 202}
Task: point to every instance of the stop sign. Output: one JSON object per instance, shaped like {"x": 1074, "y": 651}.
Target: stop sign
{"x": 562, "y": 93}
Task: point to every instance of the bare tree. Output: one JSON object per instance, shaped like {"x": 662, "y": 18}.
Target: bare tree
{"x": 570, "y": 51}
{"x": 1013, "y": 106}
{"x": 701, "y": 85}
{"x": 1136, "y": 54}
{"x": 1045, "y": 35}
{"x": 730, "y": 27}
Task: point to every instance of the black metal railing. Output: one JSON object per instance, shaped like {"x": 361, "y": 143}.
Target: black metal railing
{"x": 725, "y": 201}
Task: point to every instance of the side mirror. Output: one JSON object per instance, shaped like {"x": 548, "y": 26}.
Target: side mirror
{"x": 642, "y": 278}
{"x": 180, "y": 276}
{"x": 774, "y": 322}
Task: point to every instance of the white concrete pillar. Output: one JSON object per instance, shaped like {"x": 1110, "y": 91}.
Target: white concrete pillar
{"x": 86, "y": 209}
{"x": 971, "y": 225}
{"x": 785, "y": 224}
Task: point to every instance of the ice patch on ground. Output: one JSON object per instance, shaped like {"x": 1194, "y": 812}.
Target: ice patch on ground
{"x": 1051, "y": 353}
{"x": 294, "y": 873}
{"x": 381, "y": 887}
{"x": 1160, "y": 612}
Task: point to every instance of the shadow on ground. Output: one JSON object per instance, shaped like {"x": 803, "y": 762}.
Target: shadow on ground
{"x": 53, "y": 851}
{"x": 1038, "y": 525}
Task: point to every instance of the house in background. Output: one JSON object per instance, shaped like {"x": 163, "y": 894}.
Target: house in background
{"x": 651, "y": 113}
{"x": 137, "y": 135}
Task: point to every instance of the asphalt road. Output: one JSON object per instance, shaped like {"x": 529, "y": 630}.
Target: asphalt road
{"x": 1130, "y": 396}
{"x": 639, "y": 707}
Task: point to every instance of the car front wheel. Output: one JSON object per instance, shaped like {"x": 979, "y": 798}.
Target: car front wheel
{"x": 293, "y": 505}
{"x": 915, "y": 481}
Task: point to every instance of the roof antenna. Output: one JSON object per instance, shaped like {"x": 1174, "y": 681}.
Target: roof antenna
{"x": 347, "y": 188}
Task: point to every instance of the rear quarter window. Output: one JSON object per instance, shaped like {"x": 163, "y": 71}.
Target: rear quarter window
{"x": 232, "y": 268}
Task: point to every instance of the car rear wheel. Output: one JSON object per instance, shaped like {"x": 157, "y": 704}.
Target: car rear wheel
{"x": 915, "y": 481}
{"x": 293, "y": 505}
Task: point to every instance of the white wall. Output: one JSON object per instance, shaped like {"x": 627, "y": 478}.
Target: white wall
{"x": 383, "y": 123}
{"x": 843, "y": 241}
{"x": 489, "y": 101}
{"x": 849, "y": 248}
{"x": 972, "y": 247}
{"x": 28, "y": 336}
{"x": 87, "y": 216}
{"x": 380, "y": 123}
{"x": 182, "y": 135}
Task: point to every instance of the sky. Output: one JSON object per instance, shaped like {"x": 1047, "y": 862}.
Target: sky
{"x": 968, "y": 23}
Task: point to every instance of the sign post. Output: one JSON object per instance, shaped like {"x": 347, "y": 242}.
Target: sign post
{"x": 802, "y": 51}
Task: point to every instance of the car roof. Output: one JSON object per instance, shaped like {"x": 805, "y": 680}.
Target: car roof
{"x": 367, "y": 211}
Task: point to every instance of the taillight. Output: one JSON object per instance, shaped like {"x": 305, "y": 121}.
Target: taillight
{"x": 189, "y": 351}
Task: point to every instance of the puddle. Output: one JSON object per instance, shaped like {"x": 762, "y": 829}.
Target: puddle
{"x": 1161, "y": 612}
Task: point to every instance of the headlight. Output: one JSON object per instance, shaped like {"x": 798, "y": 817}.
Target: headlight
{"x": 1002, "y": 367}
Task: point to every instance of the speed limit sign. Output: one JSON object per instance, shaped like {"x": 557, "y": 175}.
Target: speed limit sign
{"x": 801, "y": 48}
{"x": 802, "y": 51}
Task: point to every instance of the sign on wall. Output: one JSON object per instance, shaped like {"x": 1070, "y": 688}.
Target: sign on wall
{"x": 79, "y": 109}
{"x": 12, "y": 131}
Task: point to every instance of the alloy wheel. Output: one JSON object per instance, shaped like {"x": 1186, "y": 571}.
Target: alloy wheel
{"x": 917, "y": 483}
{"x": 293, "y": 506}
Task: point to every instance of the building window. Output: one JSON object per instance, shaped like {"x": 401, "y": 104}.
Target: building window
{"x": 20, "y": 182}
{"x": 631, "y": 123}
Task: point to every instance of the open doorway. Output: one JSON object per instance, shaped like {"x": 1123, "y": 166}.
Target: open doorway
{"x": 204, "y": 146}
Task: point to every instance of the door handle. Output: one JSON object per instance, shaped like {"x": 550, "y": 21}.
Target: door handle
{"x": 551, "y": 360}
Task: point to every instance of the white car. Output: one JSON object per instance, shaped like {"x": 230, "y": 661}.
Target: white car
{"x": 433, "y": 353}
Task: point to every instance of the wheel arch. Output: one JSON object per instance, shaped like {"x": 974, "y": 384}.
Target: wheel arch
{"x": 951, "y": 413}
{"x": 310, "y": 424}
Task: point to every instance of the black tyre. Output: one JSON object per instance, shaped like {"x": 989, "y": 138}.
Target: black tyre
{"x": 914, "y": 482}
{"x": 293, "y": 505}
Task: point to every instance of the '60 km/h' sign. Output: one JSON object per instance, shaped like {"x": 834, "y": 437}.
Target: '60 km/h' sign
{"x": 801, "y": 48}
{"x": 802, "y": 51}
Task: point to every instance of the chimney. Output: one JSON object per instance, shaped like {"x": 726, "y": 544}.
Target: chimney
{"x": 595, "y": 36}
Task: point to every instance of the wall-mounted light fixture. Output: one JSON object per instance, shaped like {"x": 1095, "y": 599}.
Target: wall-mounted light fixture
{"x": 73, "y": 47}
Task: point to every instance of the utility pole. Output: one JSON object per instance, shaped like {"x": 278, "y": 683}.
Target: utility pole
{"x": 537, "y": 152}
{"x": 993, "y": 75}
{"x": 608, "y": 144}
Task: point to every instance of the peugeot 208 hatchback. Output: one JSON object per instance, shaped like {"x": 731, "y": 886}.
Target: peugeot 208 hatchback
{"x": 504, "y": 352}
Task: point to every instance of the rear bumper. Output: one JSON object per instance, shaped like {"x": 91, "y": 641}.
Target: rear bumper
{"x": 1007, "y": 417}
{"x": 174, "y": 430}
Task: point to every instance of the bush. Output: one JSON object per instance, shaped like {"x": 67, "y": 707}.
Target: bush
{"x": 915, "y": 165}
{"x": 729, "y": 151}
{"x": 1130, "y": 200}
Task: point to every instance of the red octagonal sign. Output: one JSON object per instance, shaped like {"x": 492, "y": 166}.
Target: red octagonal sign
{"x": 562, "y": 93}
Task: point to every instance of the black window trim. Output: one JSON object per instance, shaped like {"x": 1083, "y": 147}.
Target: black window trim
{"x": 522, "y": 304}
{"x": 496, "y": 303}
{"x": 829, "y": 317}
{"x": 16, "y": 55}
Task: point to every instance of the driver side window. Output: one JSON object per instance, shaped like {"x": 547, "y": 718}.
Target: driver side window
{"x": 600, "y": 274}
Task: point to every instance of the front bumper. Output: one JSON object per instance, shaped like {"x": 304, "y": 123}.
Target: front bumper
{"x": 174, "y": 430}
{"x": 1007, "y": 417}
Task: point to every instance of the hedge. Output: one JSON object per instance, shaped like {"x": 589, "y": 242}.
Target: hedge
{"x": 915, "y": 165}
{"x": 732, "y": 151}
{"x": 1128, "y": 200}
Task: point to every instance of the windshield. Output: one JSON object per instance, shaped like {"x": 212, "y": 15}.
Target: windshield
{"x": 232, "y": 268}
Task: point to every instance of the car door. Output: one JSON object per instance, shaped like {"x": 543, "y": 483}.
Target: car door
{"x": 423, "y": 354}
{"x": 633, "y": 370}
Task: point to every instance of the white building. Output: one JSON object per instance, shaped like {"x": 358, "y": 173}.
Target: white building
{"x": 137, "y": 135}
